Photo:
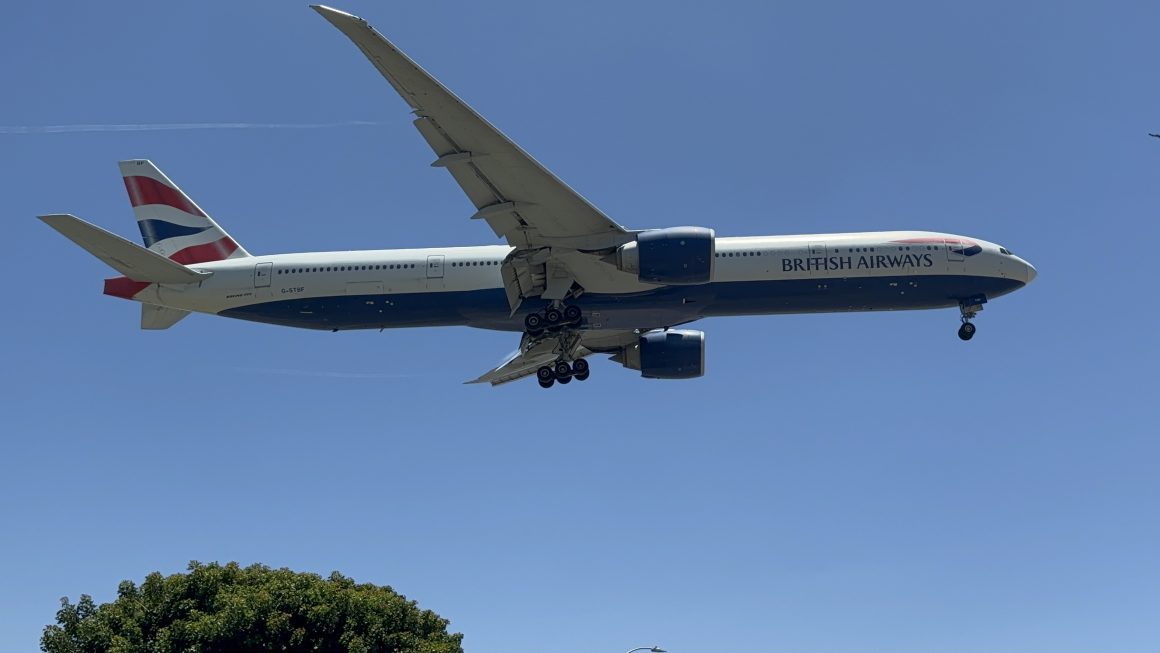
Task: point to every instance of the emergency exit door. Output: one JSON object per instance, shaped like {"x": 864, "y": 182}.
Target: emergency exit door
{"x": 435, "y": 272}
{"x": 262, "y": 272}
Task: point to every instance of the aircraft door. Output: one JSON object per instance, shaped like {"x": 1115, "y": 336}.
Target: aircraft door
{"x": 819, "y": 256}
{"x": 818, "y": 250}
{"x": 790, "y": 262}
{"x": 435, "y": 272}
{"x": 262, "y": 272}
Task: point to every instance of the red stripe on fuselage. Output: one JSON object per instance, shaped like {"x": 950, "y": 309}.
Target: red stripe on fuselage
{"x": 216, "y": 251}
{"x": 124, "y": 287}
{"x": 146, "y": 190}
{"x": 936, "y": 241}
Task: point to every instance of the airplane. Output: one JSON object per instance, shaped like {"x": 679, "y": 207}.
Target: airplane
{"x": 570, "y": 280}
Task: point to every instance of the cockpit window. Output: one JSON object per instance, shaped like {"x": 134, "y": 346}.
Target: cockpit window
{"x": 1004, "y": 250}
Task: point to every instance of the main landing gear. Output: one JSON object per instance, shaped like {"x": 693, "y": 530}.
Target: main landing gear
{"x": 558, "y": 322}
{"x": 563, "y": 372}
{"x": 967, "y": 312}
{"x": 553, "y": 319}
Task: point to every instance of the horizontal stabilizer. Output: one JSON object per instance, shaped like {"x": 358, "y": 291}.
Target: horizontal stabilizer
{"x": 160, "y": 317}
{"x": 131, "y": 260}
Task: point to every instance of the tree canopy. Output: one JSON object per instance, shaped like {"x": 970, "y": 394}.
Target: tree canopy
{"x": 215, "y": 607}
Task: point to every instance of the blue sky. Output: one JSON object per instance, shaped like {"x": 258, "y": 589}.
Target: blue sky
{"x": 834, "y": 483}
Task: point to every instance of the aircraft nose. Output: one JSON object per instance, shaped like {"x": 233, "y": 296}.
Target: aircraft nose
{"x": 1029, "y": 272}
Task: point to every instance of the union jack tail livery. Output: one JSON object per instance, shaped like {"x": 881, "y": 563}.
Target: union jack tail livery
{"x": 171, "y": 224}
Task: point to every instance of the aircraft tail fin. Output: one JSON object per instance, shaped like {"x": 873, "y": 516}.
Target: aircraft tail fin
{"x": 160, "y": 317}
{"x": 171, "y": 224}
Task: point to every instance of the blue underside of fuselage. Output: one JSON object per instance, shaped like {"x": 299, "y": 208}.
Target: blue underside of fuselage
{"x": 666, "y": 306}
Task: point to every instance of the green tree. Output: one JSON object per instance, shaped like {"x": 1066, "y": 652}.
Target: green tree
{"x": 214, "y": 608}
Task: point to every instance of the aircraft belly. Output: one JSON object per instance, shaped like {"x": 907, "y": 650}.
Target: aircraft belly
{"x": 822, "y": 295}
{"x": 657, "y": 308}
{"x": 379, "y": 311}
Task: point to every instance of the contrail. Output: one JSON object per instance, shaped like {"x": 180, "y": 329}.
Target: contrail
{"x": 328, "y": 375}
{"x": 180, "y": 126}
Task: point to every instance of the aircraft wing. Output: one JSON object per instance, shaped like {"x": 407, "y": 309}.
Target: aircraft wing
{"x": 520, "y": 199}
{"x": 520, "y": 363}
{"x": 534, "y": 353}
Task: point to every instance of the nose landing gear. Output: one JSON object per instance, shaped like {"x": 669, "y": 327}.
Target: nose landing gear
{"x": 968, "y": 309}
{"x": 966, "y": 331}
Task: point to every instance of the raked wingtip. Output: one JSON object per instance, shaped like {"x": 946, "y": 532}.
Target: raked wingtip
{"x": 332, "y": 14}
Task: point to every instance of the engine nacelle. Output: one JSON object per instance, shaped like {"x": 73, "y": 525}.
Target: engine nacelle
{"x": 680, "y": 256}
{"x": 671, "y": 354}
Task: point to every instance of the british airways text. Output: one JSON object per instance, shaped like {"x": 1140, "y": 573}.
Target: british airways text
{"x": 871, "y": 262}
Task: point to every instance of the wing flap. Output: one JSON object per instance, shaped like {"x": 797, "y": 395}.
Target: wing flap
{"x": 534, "y": 353}
{"x": 477, "y": 188}
{"x": 520, "y": 363}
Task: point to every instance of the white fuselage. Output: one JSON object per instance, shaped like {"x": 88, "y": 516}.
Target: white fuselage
{"x": 463, "y": 285}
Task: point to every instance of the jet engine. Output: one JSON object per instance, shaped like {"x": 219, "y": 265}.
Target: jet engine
{"x": 666, "y": 354}
{"x": 680, "y": 256}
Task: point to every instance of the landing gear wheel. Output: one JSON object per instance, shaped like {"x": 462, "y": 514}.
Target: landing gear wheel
{"x": 547, "y": 384}
{"x": 580, "y": 377}
{"x": 580, "y": 367}
{"x": 562, "y": 370}
{"x": 534, "y": 323}
{"x": 573, "y": 314}
{"x": 967, "y": 331}
{"x": 553, "y": 318}
{"x": 564, "y": 380}
{"x": 545, "y": 375}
